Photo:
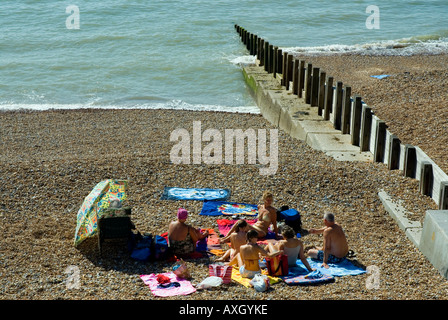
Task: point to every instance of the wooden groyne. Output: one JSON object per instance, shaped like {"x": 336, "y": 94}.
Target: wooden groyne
{"x": 312, "y": 106}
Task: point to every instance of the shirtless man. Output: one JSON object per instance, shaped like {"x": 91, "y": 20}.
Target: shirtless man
{"x": 249, "y": 256}
{"x": 335, "y": 246}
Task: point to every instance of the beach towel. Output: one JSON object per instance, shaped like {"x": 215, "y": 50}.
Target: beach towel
{"x": 200, "y": 194}
{"x": 301, "y": 276}
{"x": 213, "y": 243}
{"x": 382, "y": 76}
{"x": 218, "y": 208}
{"x": 224, "y": 225}
{"x": 176, "y": 286}
{"x": 236, "y": 276}
{"x": 344, "y": 268}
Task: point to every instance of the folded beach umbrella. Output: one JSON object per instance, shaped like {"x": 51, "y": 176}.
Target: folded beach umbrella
{"x": 94, "y": 204}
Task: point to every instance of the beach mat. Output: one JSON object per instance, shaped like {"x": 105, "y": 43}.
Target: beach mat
{"x": 236, "y": 276}
{"x": 224, "y": 225}
{"x": 301, "y": 276}
{"x": 312, "y": 278}
{"x": 344, "y": 268}
{"x": 176, "y": 287}
{"x": 219, "y": 208}
{"x": 199, "y": 194}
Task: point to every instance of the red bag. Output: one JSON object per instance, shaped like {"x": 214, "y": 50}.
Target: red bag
{"x": 278, "y": 265}
{"x": 222, "y": 271}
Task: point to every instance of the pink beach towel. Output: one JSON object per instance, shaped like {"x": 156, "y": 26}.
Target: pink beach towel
{"x": 177, "y": 286}
{"x": 224, "y": 225}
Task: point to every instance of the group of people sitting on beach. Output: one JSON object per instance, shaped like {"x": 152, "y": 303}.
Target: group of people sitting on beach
{"x": 243, "y": 237}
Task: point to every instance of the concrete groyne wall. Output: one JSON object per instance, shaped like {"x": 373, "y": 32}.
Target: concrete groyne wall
{"x": 312, "y": 106}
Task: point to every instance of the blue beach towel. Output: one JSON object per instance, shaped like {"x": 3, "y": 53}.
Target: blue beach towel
{"x": 299, "y": 275}
{"x": 344, "y": 268}
{"x": 381, "y": 76}
{"x": 218, "y": 208}
{"x": 200, "y": 194}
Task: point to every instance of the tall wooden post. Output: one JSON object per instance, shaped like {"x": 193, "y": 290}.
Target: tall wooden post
{"x": 346, "y": 110}
{"x": 356, "y": 120}
{"x": 328, "y": 107}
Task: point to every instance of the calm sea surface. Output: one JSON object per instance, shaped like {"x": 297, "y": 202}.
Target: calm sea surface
{"x": 185, "y": 54}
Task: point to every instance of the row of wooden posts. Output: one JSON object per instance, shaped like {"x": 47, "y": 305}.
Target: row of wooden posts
{"x": 350, "y": 114}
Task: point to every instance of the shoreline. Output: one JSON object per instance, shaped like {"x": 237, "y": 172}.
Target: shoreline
{"x": 53, "y": 159}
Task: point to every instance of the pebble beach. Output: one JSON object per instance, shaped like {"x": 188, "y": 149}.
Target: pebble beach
{"x": 52, "y": 159}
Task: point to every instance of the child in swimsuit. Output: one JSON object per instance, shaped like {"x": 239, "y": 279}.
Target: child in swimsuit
{"x": 249, "y": 255}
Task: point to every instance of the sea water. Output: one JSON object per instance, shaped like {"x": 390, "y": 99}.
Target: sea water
{"x": 186, "y": 54}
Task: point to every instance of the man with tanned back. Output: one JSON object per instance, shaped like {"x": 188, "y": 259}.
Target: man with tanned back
{"x": 335, "y": 247}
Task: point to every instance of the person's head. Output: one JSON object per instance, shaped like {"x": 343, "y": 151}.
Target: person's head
{"x": 268, "y": 198}
{"x": 287, "y": 232}
{"x": 328, "y": 218}
{"x": 251, "y": 235}
{"x": 240, "y": 225}
{"x": 182, "y": 214}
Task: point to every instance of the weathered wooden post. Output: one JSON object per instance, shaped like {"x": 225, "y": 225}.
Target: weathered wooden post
{"x": 338, "y": 106}
{"x": 308, "y": 79}
{"x": 394, "y": 152}
{"x": 321, "y": 99}
{"x": 426, "y": 178}
{"x": 410, "y": 161}
{"x": 271, "y": 58}
{"x": 280, "y": 61}
{"x": 380, "y": 141}
{"x": 328, "y": 107}
{"x": 284, "y": 68}
{"x": 366, "y": 127}
{"x": 275, "y": 65}
{"x": 261, "y": 53}
{"x": 356, "y": 120}
{"x": 346, "y": 110}
{"x": 315, "y": 87}
{"x": 301, "y": 84}
{"x": 266, "y": 56}
{"x": 443, "y": 201}
{"x": 295, "y": 76}
{"x": 289, "y": 72}
{"x": 251, "y": 44}
{"x": 255, "y": 46}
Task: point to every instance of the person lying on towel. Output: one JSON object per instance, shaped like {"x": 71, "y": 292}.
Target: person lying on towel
{"x": 267, "y": 215}
{"x": 335, "y": 247}
{"x": 249, "y": 255}
{"x": 182, "y": 237}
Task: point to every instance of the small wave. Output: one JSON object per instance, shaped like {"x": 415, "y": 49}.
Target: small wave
{"x": 171, "y": 105}
{"x": 242, "y": 60}
{"x": 403, "y": 47}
